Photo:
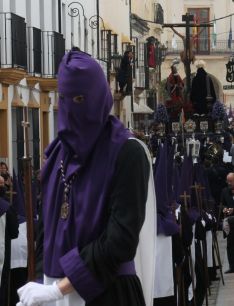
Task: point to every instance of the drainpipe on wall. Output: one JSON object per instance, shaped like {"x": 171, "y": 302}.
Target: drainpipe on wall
{"x": 98, "y": 38}
{"x": 59, "y": 17}
{"x": 130, "y": 28}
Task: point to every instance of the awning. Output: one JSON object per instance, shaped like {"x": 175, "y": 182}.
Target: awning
{"x": 142, "y": 109}
{"x": 126, "y": 39}
{"x": 106, "y": 26}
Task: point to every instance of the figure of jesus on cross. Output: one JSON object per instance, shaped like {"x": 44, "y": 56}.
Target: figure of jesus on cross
{"x": 187, "y": 55}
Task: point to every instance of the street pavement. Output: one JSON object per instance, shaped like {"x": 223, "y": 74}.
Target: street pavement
{"x": 222, "y": 295}
{"x": 225, "y": 294}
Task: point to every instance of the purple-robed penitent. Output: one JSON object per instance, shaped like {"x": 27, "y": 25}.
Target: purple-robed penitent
{"x": 165, "y": 221}
{"x": 89, "y": 141}
{"x": 18, "y": 199}
{"x": 186, "y": 183}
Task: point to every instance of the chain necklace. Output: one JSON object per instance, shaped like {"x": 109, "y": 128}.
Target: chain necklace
{"x": 64, "y": 212}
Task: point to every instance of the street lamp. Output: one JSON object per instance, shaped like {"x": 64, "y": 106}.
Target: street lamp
{"x": 116, "y": 62}
{"x": 160, "y": 54}
{"x": 164, "y": 52}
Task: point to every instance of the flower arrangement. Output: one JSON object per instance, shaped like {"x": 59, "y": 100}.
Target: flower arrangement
{"x": 218, "y": 111}
{"x": 161, "y": 114}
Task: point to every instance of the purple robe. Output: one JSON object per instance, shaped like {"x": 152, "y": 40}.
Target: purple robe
{"x": 165, "y": 221}
{"x": 89, "y": 141}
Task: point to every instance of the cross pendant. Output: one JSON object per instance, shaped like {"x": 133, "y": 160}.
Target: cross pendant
{"x": 64, "y": 212}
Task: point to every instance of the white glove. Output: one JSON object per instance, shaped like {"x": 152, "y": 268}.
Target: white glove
{"x": 34, "y": 294}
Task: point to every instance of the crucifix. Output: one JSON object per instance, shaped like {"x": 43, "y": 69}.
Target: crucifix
{"x": 185, "y": 196}
{"x": 28, "y": 197}
{"x": 187, "y": 55}
{"x": 197, "y": 189}
{"x": 200, "y": 188}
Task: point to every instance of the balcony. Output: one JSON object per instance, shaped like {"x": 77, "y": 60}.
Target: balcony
{"x": 53, "y": 49}
{"x": 203, "y": 47}
{"x": 13, "y": 41}
{"x": 28, "y": 48}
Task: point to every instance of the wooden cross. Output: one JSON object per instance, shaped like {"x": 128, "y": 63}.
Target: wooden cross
{"x": 200, "y": 188}
{"x": 196, "y": 187}
{"x": 185, "y": 196}
{"x": 28, "y": 198}
{"x": 186, "y": 53}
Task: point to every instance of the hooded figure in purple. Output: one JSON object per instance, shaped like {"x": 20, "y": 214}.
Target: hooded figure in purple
{"x": 94, "y": 191}
{"x": 166, "y": 225}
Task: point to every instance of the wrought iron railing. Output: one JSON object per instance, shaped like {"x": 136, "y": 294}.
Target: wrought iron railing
{"x": 53, "y": 48}
{"x": 104, "y": 66}
{"x": 34, "y": 51}
{"x": 13, "y": 41}
{"x": 39, "y": 53}
{"x": 140, "y": 77}
{"x": 202, "y": 47}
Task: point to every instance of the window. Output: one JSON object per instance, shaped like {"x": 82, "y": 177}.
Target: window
{"x": 114, "y": 44}
{"x": 19, "y": 44}
{"x": 106, "y": 45}
{"x": 200, "y": 36}
{"x": 59, "y": 49}
{"x": 158, "y": 13}
{"x": 17, "y": 138}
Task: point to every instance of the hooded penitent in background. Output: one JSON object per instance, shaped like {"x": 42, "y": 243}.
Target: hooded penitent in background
{"x": 95, "y": 184}
{"x": 202, "y": 92}
{"x": 166, "y": 226}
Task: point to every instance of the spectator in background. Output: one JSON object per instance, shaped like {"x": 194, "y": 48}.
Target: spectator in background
{"x": 5, "y": 174}
{"x": 227, "y": 200}
{"x": 125, "y": 73}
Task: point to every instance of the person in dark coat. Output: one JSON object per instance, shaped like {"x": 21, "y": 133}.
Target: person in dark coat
{"x": 228, "y": 226}
{"x": 202, "y": 92}
{"x": 125, "y": 73}
{"x": 9, "y": 217}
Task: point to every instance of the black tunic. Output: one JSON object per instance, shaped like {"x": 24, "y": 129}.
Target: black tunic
{"x": 11, "y": 232}
{"x": 118, "y": 243}
{"x": 199, "y": 92}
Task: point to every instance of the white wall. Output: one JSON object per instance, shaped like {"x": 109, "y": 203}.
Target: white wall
{"x": 116, "y": 14}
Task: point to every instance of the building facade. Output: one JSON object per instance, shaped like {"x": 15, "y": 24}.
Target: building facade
{"x": 214, "y": 45}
